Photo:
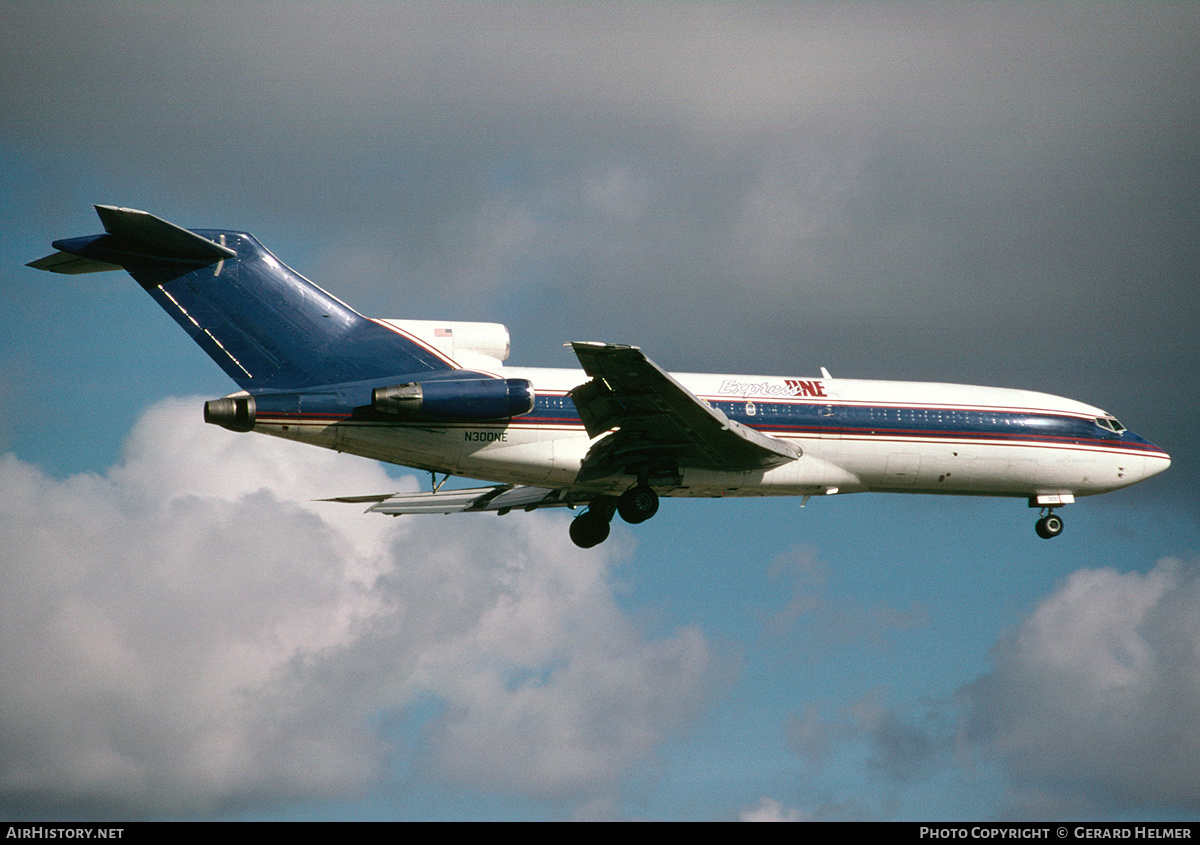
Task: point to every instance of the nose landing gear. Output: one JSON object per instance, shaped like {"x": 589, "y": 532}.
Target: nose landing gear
{"x": 1049, "y": 526}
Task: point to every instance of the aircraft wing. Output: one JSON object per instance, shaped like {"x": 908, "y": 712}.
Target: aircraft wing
{"x": 656, "y": 418}
{"x": 501, "y": 498}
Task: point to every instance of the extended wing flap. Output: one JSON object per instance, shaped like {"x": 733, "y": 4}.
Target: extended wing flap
{"x": 658, "y": 416}
{"x": 502, "y": 497}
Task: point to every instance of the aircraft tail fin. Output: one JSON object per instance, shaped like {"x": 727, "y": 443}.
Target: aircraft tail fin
{"x": 266, "y": 325}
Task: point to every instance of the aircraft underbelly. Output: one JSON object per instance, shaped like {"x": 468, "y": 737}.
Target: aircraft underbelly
{"x": 509, "y": 454}
{"x": 551, "y": 458}
{"x": 501, "y": 453}
{"x": 424, "y": 448}
{"x": 522, "y": 460}
{"x": 985, "y": 469}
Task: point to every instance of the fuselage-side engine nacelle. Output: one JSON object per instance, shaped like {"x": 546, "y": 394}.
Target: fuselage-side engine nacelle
{"x": 463, "y": 400}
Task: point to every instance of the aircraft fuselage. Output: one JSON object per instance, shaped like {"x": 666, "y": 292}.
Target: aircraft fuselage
{"x": 854, "y": 436}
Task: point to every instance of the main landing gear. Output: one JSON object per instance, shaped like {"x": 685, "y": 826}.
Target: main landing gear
{"x": 1049, "y": 526}
{"x": 637, "y": 504}
{"x": 590, "y": 528}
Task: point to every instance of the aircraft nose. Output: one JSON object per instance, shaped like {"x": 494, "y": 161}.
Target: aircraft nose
{"x": 1145, "y": 460}
{"x": 1154, "y": 460}
{"x": 1156, "y": 463}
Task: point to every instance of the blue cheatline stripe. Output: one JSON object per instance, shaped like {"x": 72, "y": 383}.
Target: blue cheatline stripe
{"x": 1075, "y": 437}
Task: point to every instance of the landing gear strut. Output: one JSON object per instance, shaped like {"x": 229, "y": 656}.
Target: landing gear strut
{"x": 1049, "y": 526}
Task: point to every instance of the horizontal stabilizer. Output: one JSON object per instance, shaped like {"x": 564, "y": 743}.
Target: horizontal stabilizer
{"x": 132, "y": 237}
{"x": 502, "y": 497}
{"x": 150, "y": 235}
{"x": 65, "y": 262}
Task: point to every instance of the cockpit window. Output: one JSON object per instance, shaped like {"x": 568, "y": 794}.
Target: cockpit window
{"x": 1111, "y": 423}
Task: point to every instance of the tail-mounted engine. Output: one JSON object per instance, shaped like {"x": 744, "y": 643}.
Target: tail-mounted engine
{"x": 461, "y": 400}
{"x": 235, "y": 412}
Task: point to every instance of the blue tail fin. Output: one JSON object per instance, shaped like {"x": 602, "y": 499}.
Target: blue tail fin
{"x": 266, "y": 326}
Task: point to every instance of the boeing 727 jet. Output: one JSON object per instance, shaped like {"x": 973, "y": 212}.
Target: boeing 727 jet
{"x": 609, "y": 438}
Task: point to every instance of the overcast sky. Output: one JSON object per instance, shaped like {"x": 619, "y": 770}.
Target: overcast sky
{"x": 980, "y": 193}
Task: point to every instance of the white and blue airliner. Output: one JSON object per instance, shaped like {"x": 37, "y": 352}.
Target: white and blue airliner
{"x": 610, "y": 438}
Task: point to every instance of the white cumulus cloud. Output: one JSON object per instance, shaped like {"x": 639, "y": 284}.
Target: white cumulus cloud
{"x": 1096, "y": 695}
{"x": 190, "y": 631}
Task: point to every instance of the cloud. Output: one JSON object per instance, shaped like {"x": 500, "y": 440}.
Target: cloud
{"x": 1091, "y": 707}
{"x": 1096, "y": 696}
{"x": 189, "y": 631}
{"x": 771, "y": 810}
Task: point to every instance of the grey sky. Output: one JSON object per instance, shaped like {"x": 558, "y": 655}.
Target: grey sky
{"x": 967, "y": 191}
